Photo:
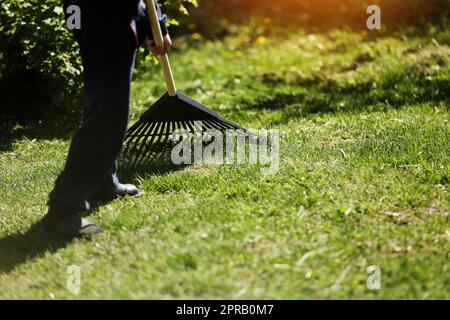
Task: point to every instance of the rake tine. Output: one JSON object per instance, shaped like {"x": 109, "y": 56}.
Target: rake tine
{"x": 133, "y": 144}
{"x": 198, "y": 127}
{"x": 135, "y": 127}
{"x": 137, "y": 146}
{"x": 131, "y": 136}
{"x": 145, "y": 143}
{"x": 190, "y": 127}
{"x": 213, "y": 125}
{"x": 164, "y": 132}
{"x": 208, "y": 125}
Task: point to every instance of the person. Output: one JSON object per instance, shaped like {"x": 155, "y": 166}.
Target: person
{"x": 108, "y": 38}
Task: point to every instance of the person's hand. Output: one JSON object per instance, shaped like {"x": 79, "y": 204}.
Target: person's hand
{"x": 160, "y": 51}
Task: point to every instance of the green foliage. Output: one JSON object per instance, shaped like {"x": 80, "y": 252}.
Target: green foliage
{"x": 40, "y": 65}
{"x": 180, "y": 4}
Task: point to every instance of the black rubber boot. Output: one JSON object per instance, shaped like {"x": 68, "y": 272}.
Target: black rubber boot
{"x": 69, "y": 225}
{"x": 119, "y": 191}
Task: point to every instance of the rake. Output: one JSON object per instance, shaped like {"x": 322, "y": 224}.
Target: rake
{"x": 150, "y": 138}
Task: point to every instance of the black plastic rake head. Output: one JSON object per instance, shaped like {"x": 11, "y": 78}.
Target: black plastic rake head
{"x": 150, "y": 139}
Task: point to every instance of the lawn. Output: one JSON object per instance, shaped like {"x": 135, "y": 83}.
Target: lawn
{"x": 364, "y": 180}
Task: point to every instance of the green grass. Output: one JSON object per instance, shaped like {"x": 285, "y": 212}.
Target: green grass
{"x": 364, "y": 180}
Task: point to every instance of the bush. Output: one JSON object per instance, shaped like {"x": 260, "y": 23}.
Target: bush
{"x": 40, "y": 65}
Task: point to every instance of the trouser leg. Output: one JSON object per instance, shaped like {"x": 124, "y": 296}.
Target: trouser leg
{"x": 107, "y": 46}
{"x": 109, "y": 184}
{"x": 111, "y": 181}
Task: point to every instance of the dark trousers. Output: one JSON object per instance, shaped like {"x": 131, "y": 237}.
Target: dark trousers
{"x": 108, "y": 45}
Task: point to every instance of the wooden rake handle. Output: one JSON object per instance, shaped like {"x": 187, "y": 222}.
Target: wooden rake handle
{"x": 159, "y": 40}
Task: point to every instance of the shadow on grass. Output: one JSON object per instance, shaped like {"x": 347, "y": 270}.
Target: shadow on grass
{"x": 19, "y": 248}
{"x": 51, "y": 126}
{"x": 321, "y": 95}
{"x": 133, "y": 168}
